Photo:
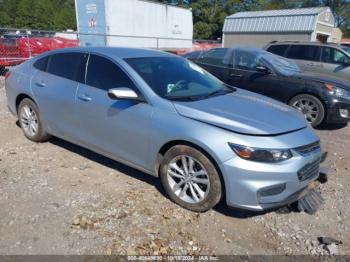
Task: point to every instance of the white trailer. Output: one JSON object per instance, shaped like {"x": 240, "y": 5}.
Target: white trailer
{"x": 134, "y": 23}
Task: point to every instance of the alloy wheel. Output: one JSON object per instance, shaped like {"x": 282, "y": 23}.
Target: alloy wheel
{"x": 308, "y": 108}
{"x": 188, "y": 179}
{"x": 29, "y": 120}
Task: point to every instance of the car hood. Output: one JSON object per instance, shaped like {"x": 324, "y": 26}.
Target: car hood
{"x": 244, "y": 112}
{"x": 326, "y": 79}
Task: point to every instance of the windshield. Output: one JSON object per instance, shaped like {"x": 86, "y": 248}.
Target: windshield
{"x": 280, "y": 64}
{"x": 176, "y": 78}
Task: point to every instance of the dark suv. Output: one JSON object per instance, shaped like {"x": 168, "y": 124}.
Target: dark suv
{"x": 319, "y": 98}
{"x": 329, "y": 59}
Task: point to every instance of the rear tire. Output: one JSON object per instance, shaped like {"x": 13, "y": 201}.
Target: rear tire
{"x": 30, "y": 121}
{"x": 2, "y": 70}
{"x": 311, "y": 107}
{"x": 190, "y": 179}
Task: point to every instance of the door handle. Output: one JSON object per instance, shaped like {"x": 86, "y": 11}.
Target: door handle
{"x": 40, "y": 84}
{"x": 236, "y": 76}
{"x": 311, "y": 64}
{"x": 84, "y": 97}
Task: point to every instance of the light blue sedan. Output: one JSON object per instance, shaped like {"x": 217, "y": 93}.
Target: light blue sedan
{"x": 168, "y": 117}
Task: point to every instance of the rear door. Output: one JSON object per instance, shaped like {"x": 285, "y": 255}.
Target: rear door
{"x": 117, "y": 128}
{"x": 306, "y": 56}
{"x": 54, "y": 86}
{"x": 333, "y": 62}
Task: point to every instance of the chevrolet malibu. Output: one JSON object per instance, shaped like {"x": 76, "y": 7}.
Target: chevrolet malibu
{"x": 168, "y": 117}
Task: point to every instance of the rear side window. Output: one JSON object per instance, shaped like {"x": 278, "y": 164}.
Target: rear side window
{"x": 217, "y": 57}
{"x": 41, "y": 64}
{"x": 304, "y": 52}
{"x": 65, "y": 65}
{"x": 332, "y": 55}
{"x": 278, "y": 49}
{"x": 102, "y": 73}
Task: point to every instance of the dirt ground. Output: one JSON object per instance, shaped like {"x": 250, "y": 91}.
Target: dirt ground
{"x": 58, "y": 198}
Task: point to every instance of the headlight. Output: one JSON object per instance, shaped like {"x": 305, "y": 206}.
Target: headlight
{"x": 261, "y": 155}
{"x": 337, "y": 91}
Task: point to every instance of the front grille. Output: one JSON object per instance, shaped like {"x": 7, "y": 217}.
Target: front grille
{"x": 304, "y": 150}
{"x": 309, "y": 170}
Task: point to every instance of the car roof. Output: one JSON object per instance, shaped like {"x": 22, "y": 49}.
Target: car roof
{"x": 303, "y": 43}
{"x": 119, "y": 52}
{"x": 250, "y": 49}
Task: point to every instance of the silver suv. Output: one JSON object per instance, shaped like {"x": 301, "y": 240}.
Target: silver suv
{"x": 329, "y": 59}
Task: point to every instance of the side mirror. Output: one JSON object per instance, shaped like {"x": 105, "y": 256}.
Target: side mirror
{"x": 123, "y": 93}
{"x": 262, "y": 69}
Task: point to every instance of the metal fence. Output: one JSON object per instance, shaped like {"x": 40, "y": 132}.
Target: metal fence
{"x": 18, "y": 45}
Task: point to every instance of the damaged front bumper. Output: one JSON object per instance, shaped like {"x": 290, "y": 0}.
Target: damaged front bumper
{"x": 273, "y": 188}
{"x": 312, "y": 200}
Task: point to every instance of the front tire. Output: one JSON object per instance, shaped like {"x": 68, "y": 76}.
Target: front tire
{"x": 30, "y": 121}
{"x": 311, "y": 107}
{"x": 190, "y": 179}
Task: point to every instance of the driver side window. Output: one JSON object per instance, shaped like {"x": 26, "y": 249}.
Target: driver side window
{"x": 103, "y": 74}
{"x": 245, "y": 61}
{"x": 332, "y": 55}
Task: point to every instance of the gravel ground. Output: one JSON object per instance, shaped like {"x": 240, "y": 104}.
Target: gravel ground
{"x": 58, "y": 198}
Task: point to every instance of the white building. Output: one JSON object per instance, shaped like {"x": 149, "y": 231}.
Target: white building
{"x": 259, "y": 28}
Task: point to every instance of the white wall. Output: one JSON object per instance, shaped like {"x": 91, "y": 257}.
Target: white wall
{"x": 143, "y": 18}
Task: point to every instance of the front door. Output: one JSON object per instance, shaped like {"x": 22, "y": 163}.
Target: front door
{"x": 245, "y": 75}
{"x": 333, "y": 63}
{"x": 117, "y": 128}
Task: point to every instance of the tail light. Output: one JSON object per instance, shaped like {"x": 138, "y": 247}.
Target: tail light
{"x": 7, "y": 74}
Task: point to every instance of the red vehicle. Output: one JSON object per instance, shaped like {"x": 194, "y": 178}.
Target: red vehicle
{"x": 345, "y": 41}
{"x": 15, "y": 49}
{"x": 199, "y": 46}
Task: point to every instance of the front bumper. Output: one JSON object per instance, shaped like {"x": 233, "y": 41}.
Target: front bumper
{"x": 334, "y": 114}
{"x": 246, "y": 180}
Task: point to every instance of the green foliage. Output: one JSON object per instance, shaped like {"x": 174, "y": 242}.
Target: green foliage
{"x": 202, "y": 30}
{"x": 38, "y": 14}
{"x": 208, "y": 15}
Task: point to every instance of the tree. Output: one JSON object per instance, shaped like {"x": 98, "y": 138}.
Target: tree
{"x": 25, "y": 15}
{"x": 202, "y": 30}
{"x": 64, "y": 18}
{"x": 38, "y": 14}
{"x": 208, "y": 15}
{"x": 8, "y": 12}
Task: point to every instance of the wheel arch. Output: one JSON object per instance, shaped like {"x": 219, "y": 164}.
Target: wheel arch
{"x": 318, "y": 96}
{"x": 173, "y": 143}
{"x": 22, "y": 96}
